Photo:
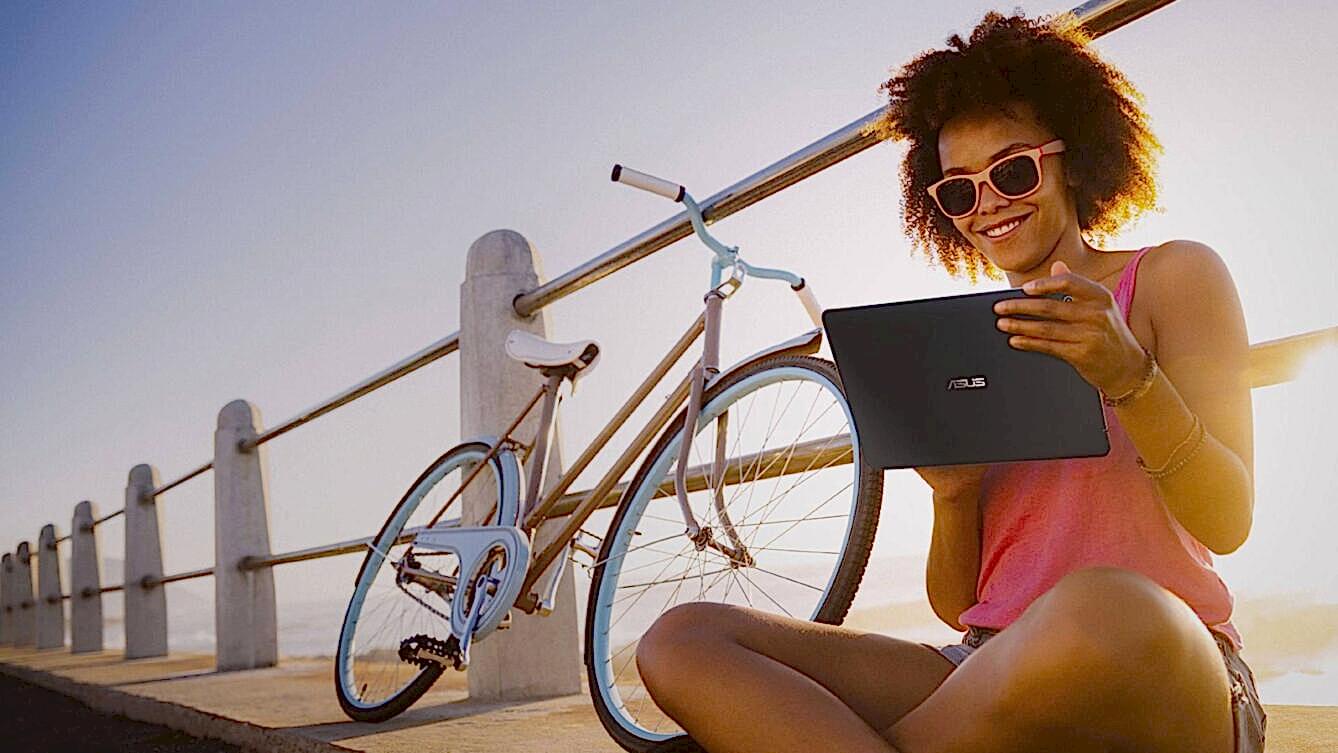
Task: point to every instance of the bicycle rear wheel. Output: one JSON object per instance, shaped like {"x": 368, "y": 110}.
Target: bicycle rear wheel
{"x": 372, "y": 680}
{"x": 783, "y": 481}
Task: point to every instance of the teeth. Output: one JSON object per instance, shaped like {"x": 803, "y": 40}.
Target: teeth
{"x": 995, "y": 232}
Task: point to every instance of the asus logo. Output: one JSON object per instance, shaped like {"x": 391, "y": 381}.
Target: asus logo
{"x": 967, "y": 383}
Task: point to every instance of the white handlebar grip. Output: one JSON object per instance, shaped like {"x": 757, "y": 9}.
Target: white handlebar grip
{"x": 648, "y": 183}
{"x": 810, "y": 302}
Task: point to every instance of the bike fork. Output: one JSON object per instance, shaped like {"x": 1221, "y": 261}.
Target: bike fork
{"x": 708, "y": 366}
{"x": 707, "y": 369}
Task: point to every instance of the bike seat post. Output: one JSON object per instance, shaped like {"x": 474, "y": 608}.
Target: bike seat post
{"x": 539, "y": 456}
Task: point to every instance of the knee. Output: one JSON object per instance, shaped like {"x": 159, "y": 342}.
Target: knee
{"x": 677, "y": 640}
{"x": 1103, "y": 621}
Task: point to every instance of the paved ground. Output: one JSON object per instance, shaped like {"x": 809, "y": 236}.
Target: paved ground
{"x": 292, "y": 709}
{"x": 37, "y": 719}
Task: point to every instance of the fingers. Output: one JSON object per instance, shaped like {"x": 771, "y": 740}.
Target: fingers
{"x": 1046, "y": 329}
{"x": 1071, "y": 284}
{"x": 1060, "y": 349}
{"x": 1045, "y": 308}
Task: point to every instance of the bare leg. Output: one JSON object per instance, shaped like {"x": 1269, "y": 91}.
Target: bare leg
{"x": 1105, "y": 662}
{"x": 743, "y": 680}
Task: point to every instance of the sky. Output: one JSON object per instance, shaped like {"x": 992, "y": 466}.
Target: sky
{"x": 201, "y": 202}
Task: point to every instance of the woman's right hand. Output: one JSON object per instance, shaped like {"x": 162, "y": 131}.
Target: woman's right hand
{"x": 950, "y": 480}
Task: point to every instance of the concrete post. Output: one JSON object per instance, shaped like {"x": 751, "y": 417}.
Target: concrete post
{"x": 538, "y": 656}
{"x": 145, "y": 608}
{"x": 85, "y": 581}
{"x": 50, "y": 608}
{"x": 245, "y": 621}
{"x": 25, "y": 625}
{"x": 7, "y": 615}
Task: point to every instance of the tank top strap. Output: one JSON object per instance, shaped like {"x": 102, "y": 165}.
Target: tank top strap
{"x": 1124, "y": 291}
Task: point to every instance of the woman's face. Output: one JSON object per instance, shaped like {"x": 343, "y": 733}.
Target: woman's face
{"x": 971, "y": 142}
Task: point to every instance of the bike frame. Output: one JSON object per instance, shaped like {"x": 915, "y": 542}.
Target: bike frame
{"x": 691, "y": 387}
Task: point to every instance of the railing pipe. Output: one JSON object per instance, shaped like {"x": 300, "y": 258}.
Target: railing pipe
{"x": 1277, "y": 361}
{"x": 178, "y": 482}
{"x": 109, "y": 516}
{"x": 150, "y": 581}
{"x": 1104, "y": 16}
{"x": 331, "y": 550}
{"x": 445, "y": 346}
{"x": 821, "y": 154}
{"x": 89, "y": 591}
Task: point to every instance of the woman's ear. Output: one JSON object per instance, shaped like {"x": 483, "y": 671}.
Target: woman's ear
{"x": 1069, "y": 177}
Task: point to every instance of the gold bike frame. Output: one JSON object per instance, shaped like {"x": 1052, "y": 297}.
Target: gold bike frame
{"x": 539, "y": 564}
{"x": 577, "y": 508}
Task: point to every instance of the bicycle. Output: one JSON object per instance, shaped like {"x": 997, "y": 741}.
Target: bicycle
{"x": 779, "y": 516}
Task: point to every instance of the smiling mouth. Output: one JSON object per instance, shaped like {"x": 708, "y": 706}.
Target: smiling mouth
{"x": 1005, "y": 229}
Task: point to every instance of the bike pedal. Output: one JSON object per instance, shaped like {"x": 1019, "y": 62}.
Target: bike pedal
{"x": 444, "y": 661}
{"x": 505, "y": 623}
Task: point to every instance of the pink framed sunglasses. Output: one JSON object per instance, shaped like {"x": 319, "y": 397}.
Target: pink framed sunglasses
{"x": 1014, "y": 176}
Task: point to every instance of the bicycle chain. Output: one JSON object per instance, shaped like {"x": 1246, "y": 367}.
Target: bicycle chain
{"x": 426, "y": 605}
{"x": 399, "y": 583}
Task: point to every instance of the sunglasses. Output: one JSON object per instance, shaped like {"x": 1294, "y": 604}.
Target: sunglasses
{"x": 1013, "y": 177}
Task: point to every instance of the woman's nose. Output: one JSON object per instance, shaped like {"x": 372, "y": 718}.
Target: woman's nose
{"x": 990, "y": 201}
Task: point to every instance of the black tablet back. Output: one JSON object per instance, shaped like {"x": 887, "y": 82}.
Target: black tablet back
{"x": 934, "y": 382}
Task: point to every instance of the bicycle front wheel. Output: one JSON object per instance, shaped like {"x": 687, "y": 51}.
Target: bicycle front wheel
{"x": 776, "y": 474}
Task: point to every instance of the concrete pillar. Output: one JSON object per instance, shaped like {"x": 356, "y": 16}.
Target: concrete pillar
{"x": 145, "y": 608}
{"x": 25, "y": 623}
{"x": 538, "y": 656}
{"x": 7, "y": 615}
{"x": 245, "y": 622}
{"x": 85, "y": 581}
{"x": 50, "y": 607}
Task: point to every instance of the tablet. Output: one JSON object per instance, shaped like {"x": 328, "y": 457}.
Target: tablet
{"x": 935, "y": 382}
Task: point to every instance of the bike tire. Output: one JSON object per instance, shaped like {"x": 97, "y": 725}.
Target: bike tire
{"x": 848, "y": 569}
{"x": 506, "y": 482}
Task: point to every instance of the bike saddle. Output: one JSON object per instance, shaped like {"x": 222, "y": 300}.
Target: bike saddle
{"x": 536, "y": 352}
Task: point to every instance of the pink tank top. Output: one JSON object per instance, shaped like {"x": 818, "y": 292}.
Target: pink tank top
{"x": 1043, "y": 519}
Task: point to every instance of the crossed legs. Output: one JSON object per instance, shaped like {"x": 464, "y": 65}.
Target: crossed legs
{"x": 1107, "y": 661}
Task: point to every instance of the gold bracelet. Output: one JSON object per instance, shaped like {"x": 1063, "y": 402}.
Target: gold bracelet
{"x": 1167, "y": 469}
{"x": 1145, "y": 384}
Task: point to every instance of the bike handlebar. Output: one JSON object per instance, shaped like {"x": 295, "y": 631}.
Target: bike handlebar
{"x": 725, "y": 255}
{"x": 645, "y": 182}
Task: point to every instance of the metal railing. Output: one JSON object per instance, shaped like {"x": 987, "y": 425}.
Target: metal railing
{"x": 1272, "y": 362}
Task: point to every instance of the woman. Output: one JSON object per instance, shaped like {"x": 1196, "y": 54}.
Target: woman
{"x": 1094, "y": 619}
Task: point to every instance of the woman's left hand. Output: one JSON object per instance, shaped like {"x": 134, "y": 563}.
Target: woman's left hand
{"x": 1088, "y": 332}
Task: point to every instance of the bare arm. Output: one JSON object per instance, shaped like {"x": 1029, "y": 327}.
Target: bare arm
{"x": 1203, "y": 351}
{"x": 954, "y": 554}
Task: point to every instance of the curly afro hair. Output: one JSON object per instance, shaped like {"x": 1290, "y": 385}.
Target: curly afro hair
{"x": 1046, "y": 63}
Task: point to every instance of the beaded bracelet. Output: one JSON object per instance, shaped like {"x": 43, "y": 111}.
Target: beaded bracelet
{"x": 1167, "y": 468}
{"x": 1145, "y": 384}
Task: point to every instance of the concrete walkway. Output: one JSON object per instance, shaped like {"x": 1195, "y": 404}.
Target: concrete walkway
{"x": 292, "y": 708}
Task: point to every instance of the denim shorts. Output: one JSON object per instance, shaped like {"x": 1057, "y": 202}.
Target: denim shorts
{"x": 1247, "y": 712}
